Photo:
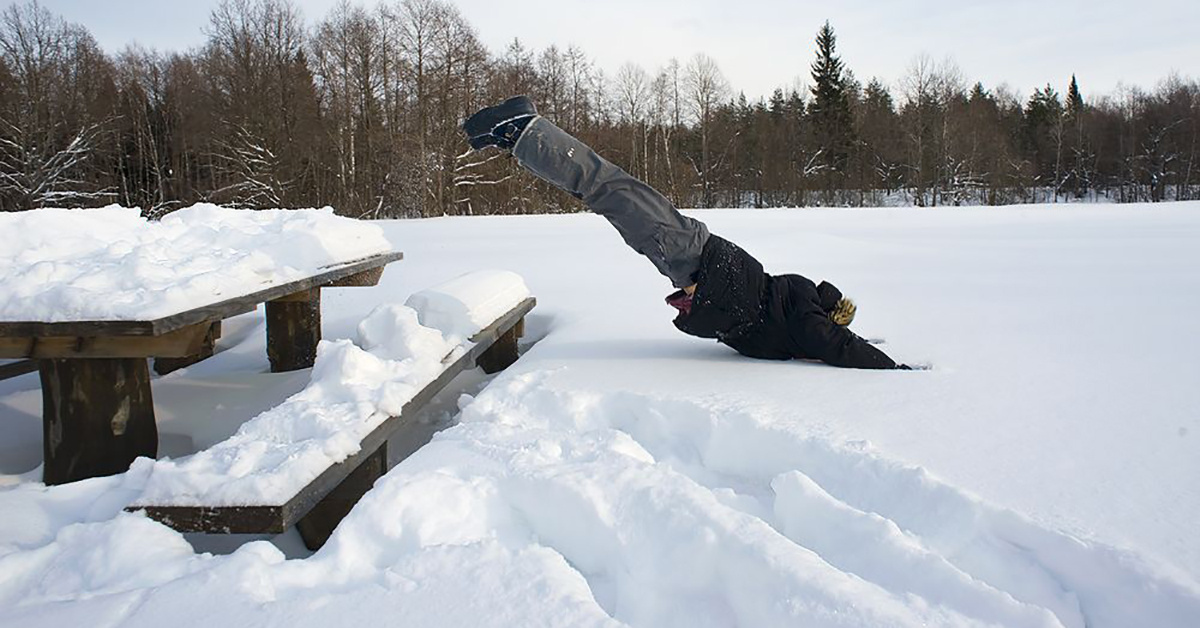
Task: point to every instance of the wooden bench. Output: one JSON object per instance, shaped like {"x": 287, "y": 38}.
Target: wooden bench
{"x": 98, "y": 414}
{"x": 317, "y": 508}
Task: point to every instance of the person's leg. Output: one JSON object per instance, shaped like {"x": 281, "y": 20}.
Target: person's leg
{"x": 646, "y": 220}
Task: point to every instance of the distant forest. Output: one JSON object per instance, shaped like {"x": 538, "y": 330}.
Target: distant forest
{"x": 360, "y": 110}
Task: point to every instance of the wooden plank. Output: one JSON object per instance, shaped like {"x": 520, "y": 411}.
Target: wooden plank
{"x": 213, "y": 311}
{"x": 304, "y": 296}
{"x": 224, "y": 520}
{"x": 363, "y": 279}
{"x": 176, "y": 344}
{"x": 278, "y": 518}
{"x": 17, "y": 368}
{"x": 164, "y": 365}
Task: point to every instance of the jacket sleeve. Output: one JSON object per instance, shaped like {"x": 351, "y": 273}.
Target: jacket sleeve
{"x": 833, "y": 344}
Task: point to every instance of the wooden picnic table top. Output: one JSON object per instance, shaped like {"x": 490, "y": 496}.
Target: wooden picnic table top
{"x": 226, "y": 308}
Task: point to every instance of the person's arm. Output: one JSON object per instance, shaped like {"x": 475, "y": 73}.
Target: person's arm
{"x": 833, "y": 344}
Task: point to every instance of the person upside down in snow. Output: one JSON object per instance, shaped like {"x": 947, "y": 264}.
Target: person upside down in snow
{"x": 723, "y": 292}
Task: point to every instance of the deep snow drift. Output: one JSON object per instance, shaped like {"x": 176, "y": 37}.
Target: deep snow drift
{"x": 1042, "y": 474}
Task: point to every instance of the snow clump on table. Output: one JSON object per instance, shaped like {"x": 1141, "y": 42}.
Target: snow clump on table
{"x": 114, "y": 264}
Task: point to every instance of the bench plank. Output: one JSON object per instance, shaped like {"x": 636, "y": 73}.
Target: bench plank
{"x": 276, "y": 519}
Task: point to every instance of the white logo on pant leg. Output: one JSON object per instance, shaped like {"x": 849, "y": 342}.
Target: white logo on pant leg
{"x": 570, "y": 152}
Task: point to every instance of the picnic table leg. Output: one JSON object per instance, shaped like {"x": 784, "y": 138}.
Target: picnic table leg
{"x": 319, "y": 523}
{"x": 503, "y": 352}
{"x": 97, "y": 417}
{"x": 293, "y": 330}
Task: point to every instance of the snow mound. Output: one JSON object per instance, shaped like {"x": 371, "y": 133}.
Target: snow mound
{"x": 459, "y": 308}
{"x": 394, "y": 333}
{"x": 113, "y": 264}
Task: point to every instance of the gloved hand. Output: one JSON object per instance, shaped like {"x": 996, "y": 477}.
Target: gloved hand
{"x": 499, "y": 125}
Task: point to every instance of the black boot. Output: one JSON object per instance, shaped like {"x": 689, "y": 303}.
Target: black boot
{"x": 500, "y": 125}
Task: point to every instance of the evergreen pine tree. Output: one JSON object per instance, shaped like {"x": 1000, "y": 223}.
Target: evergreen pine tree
{"x": 777, "y": 102}
{"x": 829, "y": 111}
{"x": 1080, "y": 175}
{"x": 978, "y": 93}
{"x": 1074, "y": 100}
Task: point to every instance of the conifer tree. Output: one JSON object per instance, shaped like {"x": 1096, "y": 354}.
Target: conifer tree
{"x": 1080, "y": 175}
{"x": 829, "y": 111}
{"x": 1074, "y": 100}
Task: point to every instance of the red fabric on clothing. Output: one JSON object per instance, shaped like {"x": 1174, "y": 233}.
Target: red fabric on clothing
{"x": 681, "y": 301}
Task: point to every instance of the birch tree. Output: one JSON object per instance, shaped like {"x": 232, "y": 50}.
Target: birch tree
{"x": 705, "y": 88}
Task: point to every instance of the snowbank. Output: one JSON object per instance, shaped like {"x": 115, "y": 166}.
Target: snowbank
{"x": 112, "y": 264}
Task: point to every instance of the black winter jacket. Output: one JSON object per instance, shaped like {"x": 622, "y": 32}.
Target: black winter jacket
{"x": 770, "y": 317}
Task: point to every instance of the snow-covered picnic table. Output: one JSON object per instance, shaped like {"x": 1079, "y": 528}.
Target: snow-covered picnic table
{"x": 91, "y": 294}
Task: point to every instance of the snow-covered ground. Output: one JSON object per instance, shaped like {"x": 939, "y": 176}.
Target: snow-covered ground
{"x": 1042, "y": 473}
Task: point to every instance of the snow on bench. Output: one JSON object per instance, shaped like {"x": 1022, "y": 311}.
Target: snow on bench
{"x": 308, "y": 460}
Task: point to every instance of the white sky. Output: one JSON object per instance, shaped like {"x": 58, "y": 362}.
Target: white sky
{"x": 763, "y": 44}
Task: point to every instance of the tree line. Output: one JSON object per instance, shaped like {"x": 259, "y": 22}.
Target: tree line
{"x": 360, "y": 110}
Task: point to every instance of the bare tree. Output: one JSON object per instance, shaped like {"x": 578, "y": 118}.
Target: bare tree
{"x": 255, "y": 60}
{"x": 632, "y": 88}
{"x": 144, "y": 166}
{"x": 552, "y": 72}
{"x": 579, "y": 78}
{"x": 53, "y": 124}
{"x": 706, "y": 89}
{"x": 662, "y": 115}
{"x": 927, "y": 90}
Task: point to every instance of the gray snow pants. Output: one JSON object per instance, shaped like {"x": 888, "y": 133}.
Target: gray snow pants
{"x": 646, "y": 220}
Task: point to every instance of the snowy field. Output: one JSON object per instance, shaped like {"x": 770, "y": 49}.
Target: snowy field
{"x": 1043, "y": 473}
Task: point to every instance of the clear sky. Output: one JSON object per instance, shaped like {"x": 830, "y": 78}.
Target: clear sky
{"x": 763, "y": 44}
